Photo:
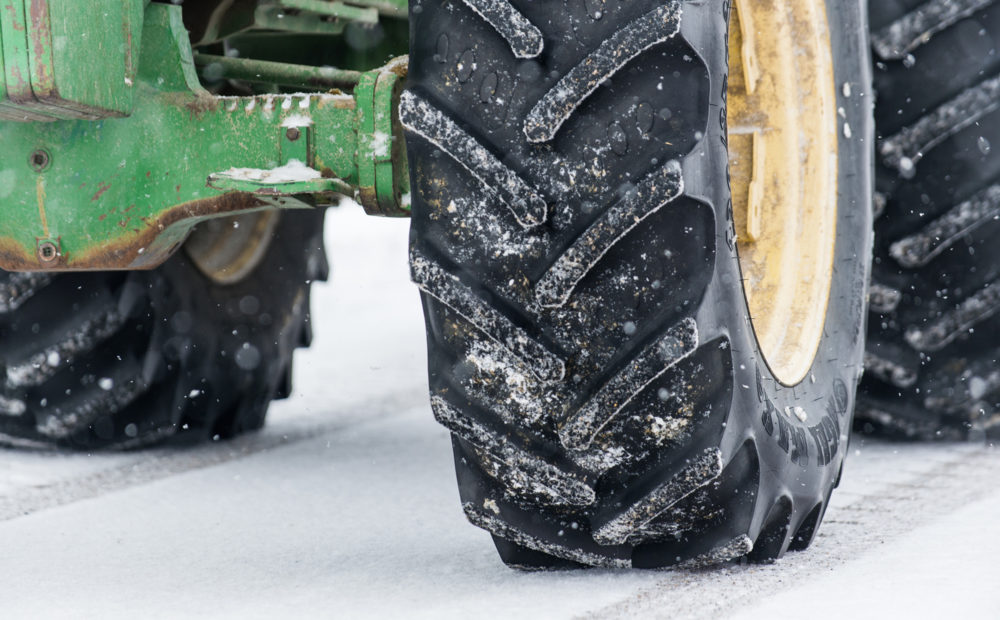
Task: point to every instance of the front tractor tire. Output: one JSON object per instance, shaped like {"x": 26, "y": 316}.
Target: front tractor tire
{"x": 640, "y": 366}
{"x": 191, "y": 351}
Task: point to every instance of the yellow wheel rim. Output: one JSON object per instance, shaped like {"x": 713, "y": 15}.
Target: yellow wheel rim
{"x": 227, "y": 249}
{"x": 783, "y": 164}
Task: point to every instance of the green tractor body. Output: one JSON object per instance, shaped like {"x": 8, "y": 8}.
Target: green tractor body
{"x": 114, "y": 150}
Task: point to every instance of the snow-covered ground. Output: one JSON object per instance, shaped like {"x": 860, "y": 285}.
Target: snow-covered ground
{"x": 345, "y": 506}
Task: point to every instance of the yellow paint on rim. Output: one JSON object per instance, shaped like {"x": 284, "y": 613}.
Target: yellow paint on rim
{"x": 783, "y": 164}
{"x": 227, "y": 249}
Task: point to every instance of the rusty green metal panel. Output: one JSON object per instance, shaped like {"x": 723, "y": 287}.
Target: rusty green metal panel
{"x": 102, "y": 88}
{"x": 123, "y": 192}
{"x": 57, "y": 66}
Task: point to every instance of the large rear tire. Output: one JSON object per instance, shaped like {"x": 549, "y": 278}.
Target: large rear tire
{"x": 590, "y": 343}
{"x": 126, "y": 359}
{"x": 932, "y": 339}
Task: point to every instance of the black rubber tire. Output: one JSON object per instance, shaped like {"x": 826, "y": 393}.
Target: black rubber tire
{"x": 701, "y": 462}
{"x": 126, "y": 359}
{"x": 934, "y": 330}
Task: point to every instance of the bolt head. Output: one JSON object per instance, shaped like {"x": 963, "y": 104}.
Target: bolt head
{"x": 39, "y": 160}
{"x": 48, "y": 251}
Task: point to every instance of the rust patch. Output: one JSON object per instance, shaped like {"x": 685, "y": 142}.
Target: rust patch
{"x": 16, "y": 25}
{"x": 338, "y": 103}
{"x": 44, "y": 88}
{"x": 101, "y": 188}
{"x": 129, "y": 61}
{"x": 162, "y": 234}
{"x": 147, "y": 249}
{"x": 13, "y": 257}
{"x": 369, "y": 200}
{"x": 201, "y": 105}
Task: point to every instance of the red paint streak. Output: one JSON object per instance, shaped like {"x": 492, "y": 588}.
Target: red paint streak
{"x": 101, "y": 188}
{"x": 39, "y": 15}
{"x": 129, "y": 69}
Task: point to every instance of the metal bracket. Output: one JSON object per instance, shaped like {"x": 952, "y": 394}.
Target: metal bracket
{"x": 123, "y": 193}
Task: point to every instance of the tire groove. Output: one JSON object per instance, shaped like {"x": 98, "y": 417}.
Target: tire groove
{"x": 922, "y": 247}
{"x": 524, "y": 38}
{"x": 425, "y": 120}
{"x": 653, "y": 193}
{"x": 952, "y": 324}
{"x": 559, "y": 103}
{"x": 562, "y": 487}
{"x": 491, "y": 523}
{"x": 904, "y": 150}
{"x": 677, "y": 343}
{"x": 41, "y": 366}
{"x": 444, "y": 286}
{"x": 883, "y": 299}
{"x": 912, "y": 30}
{"x": 19, "y": 287}
{"x": 698, "y": 472}
{"x": 890, "y": 371}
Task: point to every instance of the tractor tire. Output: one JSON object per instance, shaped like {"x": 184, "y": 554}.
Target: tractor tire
{"x": 931, "y": 360}
{"x": 128, "y": 359}
{"x": 590, "y": 345}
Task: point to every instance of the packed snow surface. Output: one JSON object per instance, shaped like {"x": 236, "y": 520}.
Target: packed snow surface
{"x": 345, "y": 506}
